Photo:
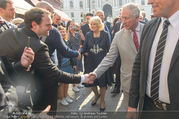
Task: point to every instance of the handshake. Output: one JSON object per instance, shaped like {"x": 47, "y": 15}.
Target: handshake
{"x": 89, "y": 78}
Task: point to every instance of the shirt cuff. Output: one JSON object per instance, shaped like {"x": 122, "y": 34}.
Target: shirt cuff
{"x": 82, "y": 78}
{"x": 95, "y": 74}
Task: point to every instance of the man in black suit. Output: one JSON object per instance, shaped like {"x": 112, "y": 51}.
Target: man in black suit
{"x": 47, "y": 75}
{"x": 7, "y": 12}
{"x": 154, "y": 83}
{"x": 107, "y": 25}
{"x": 117, "y": 64}
{"x": 85, "y": 28}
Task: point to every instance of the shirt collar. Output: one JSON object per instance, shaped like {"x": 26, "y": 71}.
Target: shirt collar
{"x": 137, "y": 29}
{"x": 173, "y": 19}
{"x": 8, "y": 23}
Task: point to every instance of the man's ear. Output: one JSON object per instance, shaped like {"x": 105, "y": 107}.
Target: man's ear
{"x": 34, "y": 25}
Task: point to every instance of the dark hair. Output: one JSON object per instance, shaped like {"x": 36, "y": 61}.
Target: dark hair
{"x": 115, "y": 20}
{"x": 34, "y": 14}
{"x": 68, "y": 24}
{"x": 3, "y": 3}
{"x": 89, "y": 14}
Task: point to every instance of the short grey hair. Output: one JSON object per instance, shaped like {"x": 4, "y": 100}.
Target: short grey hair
{"x": 100, "y": 11}
{"x": 134, "y": 8}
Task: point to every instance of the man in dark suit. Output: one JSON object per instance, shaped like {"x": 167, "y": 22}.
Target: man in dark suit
{"x": 85, "y": 28}
{"x": 7, "y": 12}
{"x": 47, "y": 75}
{"x": 154, "y": 84}
{"x": 107, "y": 25}
{"x": 116, "y": 67}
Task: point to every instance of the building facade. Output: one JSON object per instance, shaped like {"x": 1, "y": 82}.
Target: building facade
{"x": 77, "y": 9}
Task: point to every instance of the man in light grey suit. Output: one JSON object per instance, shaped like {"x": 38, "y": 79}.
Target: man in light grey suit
{"x": 124, "y": 45}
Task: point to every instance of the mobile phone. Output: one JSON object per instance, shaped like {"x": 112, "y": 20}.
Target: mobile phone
{"x": 28, "y": 45}
{"x": 74, "y": 27}
{"x": 28, "y": 42}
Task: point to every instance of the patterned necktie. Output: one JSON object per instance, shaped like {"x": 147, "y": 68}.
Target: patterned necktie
{"x": 158, "y": 61}
{"x": 135, "y": 38}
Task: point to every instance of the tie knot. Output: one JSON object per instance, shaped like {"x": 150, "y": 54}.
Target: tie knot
{"x": 166, "y": 23}
{"x": 133, "y": 31}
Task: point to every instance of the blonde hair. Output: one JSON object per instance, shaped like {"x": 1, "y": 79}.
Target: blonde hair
{"x": 62, "y": 28}
{"x": 98, "y": 21}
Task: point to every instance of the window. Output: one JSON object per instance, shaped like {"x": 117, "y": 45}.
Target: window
{"x": 62, "y": 5}
{"x": 99, "y": 3}
{"x": 71, "y": 4}
{"x": 120, "y": 2}
{"x": 93, "y": 4}
{"x": 72, "y": 14}
{"x": 81, "y": 5}
{"x": 81, "y": 15}
{"x": 114, "y": 3}
{"x": 142, "y": 2}
{"x": 133, "y": 1}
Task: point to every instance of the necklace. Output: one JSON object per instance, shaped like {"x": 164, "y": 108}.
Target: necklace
{"x": 96, "y": 35}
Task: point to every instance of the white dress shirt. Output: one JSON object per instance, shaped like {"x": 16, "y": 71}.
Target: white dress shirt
{"x": 137, "y": 30}
{"x": 171, "y": 41}
{"x": 9, "y": 23}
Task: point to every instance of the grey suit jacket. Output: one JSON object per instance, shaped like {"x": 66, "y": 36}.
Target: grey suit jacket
{"x": 124, "y": 46}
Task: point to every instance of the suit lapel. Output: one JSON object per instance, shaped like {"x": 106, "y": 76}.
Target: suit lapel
{"x": 128, "y": 38}
{"x": 149, "y": 40}
{"x": 175, "y": 55}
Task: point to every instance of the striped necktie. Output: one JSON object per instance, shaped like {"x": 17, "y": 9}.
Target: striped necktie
{"x": 135, "y": 39}
{"x": 158, "y": 61}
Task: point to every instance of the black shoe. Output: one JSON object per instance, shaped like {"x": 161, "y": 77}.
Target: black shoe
{"x": 102, "y": 109}
{"x": 94, "y": 103}
{"x": 116, "y": 90}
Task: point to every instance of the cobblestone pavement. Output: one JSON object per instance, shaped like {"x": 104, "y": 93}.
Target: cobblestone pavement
{"x": 81, "y": 107}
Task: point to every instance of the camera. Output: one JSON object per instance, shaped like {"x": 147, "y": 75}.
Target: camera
{"x": 74, "y": 27}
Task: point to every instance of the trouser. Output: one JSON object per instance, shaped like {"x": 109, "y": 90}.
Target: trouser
{"x": 126, "y": 99}
{"x": 153, "y": 111}
{"x": 117, "y": 66}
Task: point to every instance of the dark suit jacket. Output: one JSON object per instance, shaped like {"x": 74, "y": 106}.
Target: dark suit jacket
{"x": 85, "y": 28}
{"x": 108, "y": 25}
{"x": 12, "y": 43}
{"x": 116, "y": 28}
{"x": 140, "y": 69}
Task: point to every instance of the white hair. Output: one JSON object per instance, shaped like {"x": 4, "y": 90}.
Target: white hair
{"x": 134, "y": 8}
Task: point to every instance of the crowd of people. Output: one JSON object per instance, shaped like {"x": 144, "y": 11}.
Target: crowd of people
{"x": 40, "y": 56}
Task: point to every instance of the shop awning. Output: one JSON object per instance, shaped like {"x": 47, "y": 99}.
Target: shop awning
{"x": 64, "y": 16}
{"x": 21, "y": 6}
